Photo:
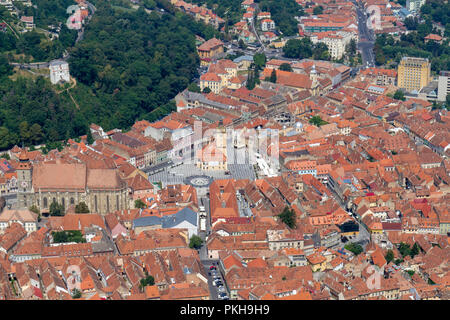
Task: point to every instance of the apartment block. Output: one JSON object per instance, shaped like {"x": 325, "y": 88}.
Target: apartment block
{"x": 413, "y": 73}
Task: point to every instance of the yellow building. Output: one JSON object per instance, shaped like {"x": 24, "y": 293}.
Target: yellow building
{"x": 317, "y": 262}
{"x": 212, "y": 81}
{"x": 209, "y": 50}
{"x": 413, "y": 73}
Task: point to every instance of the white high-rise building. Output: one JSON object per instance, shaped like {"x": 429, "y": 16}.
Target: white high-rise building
{"x": 443, "y": 85}
{"x": 414, "y": 5}
{"x": 59, "y": 71}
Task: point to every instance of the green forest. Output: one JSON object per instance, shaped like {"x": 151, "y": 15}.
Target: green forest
{"x": 128, "y": 67}
{"x": 389, "y": 51}
{"x": 35, "y": 44}
{"x": 226, "y": 9}
{"x": 283, "y": 12}
{"x": 304, "y": 48}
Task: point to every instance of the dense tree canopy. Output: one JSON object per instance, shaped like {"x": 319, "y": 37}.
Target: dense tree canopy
{"x": 139, "y": 204}
{"x": 195, "y": 242}
{"x": 283, "y": 12}
{"x": 226, "y": 9}
{"x": 56, "y": 209}
{"x": 68, "y": 236}
{"x": 135, "y": 61}
{"x": 36, "y": 45}
{"x": 389, "y": 51}
{"x": 317, "y": 121}
{"x": 389, "y": 256}
{"x": 438, "y": 11}
{"x": 318, "y": 10}
{"x": 81, "y": 208}
{"x": 149, "y": 280}
{"x": 304, "y": 48}
{"x": 285, "y": 67}
{"x": 31, "y": 112}
{"x": 289, "y": 217}
{"x": 355, "y": 248}
{"x": 128, "y": 67}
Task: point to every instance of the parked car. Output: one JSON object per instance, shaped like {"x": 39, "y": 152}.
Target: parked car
{"x": 212, "y": 268}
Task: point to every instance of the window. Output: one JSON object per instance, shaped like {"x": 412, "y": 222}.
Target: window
{"x": 45, "y": 203}
{"x": 95, "y": 203}
{"x": 72, "y": 201}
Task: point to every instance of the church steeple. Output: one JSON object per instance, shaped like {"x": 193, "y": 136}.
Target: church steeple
{"x": 24, "y": 180}
{"x": 23, "y": 157}
{"x": 313, "y": 74}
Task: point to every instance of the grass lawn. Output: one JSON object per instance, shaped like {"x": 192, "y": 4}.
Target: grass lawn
{"x": 27, "y": 74}
{"x": 123, "y": 9}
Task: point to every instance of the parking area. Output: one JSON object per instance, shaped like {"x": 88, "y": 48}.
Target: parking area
{"x": 216, "y": 281}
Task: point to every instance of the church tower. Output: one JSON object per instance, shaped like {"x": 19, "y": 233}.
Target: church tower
{"x": 313, "y": 76}
{"x": 24, "y": 181}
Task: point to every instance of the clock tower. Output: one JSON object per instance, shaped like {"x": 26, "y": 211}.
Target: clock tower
{"x": 24, "y": 181}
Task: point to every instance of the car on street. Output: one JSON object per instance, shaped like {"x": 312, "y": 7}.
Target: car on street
{"x": 212, "y": 268}
{"x": 223, "y": 296}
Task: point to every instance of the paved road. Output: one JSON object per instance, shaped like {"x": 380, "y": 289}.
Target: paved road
{"x": 366, "y": 41}
{"x": 363, "y": 236}
{"x": 255, "y": 32}
{"x": 214, "y": 290}
{"x": 11, "y": 199}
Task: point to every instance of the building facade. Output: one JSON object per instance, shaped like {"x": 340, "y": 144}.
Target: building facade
{"x": 413, "y": 73}
{"x": 414, "y": 5}
{"x": 443, "y": 85}
{"x": 209, "y": 50}
{"x": 59, "y": 71}
{"x": 69, "y": 184}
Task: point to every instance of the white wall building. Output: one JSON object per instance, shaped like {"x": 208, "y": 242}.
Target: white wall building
{"x": 443, "y": 85}
{"x": 59, "y": 71}
{"x": 414, "y": 5}
{"x": 336, "y": 42}
{"x": 267, "y": 24}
